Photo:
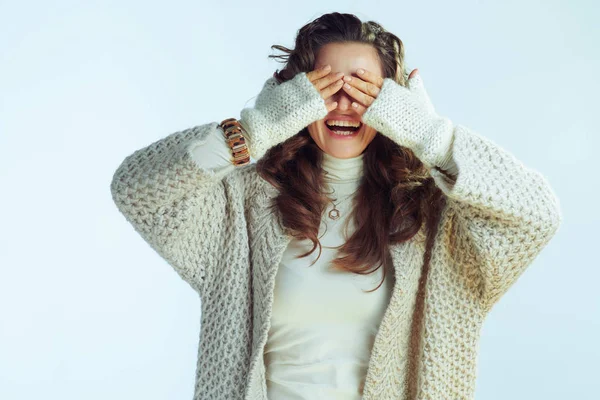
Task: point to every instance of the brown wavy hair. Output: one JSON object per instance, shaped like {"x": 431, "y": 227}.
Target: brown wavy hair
{"x": 396, "y": 194}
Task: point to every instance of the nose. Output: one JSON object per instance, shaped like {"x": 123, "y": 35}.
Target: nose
{"x": 343, "y": 99}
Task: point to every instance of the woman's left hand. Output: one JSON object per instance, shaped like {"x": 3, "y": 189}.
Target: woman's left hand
{"x": 403, "y": 113}
{"x": 365, "y": 88}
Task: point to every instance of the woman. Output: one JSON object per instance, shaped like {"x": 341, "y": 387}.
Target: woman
{"x": 443, "y": 218}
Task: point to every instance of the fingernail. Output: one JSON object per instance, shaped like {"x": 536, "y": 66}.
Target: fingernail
{"x": 361, "y": 71}
{"x": 327, "y": 66}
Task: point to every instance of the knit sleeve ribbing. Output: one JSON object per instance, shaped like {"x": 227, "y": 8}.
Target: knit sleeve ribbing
{"x": 281, "y": 111}
{"x": 179, "y": 206}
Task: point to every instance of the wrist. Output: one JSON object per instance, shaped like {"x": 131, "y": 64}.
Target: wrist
{"x": 235, "y": 138}
{"x": 281, "y": 111}
{"x": 400, "y": 115}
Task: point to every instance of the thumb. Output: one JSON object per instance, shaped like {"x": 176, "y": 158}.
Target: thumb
{"x": 417, "y": 88}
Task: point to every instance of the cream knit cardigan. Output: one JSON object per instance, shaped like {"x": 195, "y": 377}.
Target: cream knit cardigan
{"x": 216, "y": 231}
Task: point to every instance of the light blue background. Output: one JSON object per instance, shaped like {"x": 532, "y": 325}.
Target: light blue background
{"x": 89, "y": 311}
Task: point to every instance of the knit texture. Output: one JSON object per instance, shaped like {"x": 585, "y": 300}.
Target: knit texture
{"x": 219, "y": 235}
{"x": 407, "y": 116}
{"x": 281, "y": 111}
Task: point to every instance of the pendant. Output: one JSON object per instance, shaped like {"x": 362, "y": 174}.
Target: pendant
{"x": 334, "y": 214}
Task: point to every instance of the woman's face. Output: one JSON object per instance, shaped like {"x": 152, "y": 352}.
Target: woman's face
{"x": 347, "y": 58}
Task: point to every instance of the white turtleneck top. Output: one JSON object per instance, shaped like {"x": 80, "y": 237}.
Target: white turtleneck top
{"x": 323, "y": 324}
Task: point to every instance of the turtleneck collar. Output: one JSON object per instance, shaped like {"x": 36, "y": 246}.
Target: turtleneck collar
{"x": 342, "y": 170}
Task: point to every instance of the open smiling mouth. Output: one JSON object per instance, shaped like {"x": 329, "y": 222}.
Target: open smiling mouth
{"x": 344, "y": 132}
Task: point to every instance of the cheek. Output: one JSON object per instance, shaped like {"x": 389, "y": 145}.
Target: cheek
{"x": 370, "y": 134}
{"x": 313, "y": 129}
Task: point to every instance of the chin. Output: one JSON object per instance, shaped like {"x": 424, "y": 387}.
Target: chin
{"x": 343, "y": 153}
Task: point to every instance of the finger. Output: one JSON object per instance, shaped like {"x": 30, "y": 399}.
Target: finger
{"x": 327, "y": 80}
{"x": 359, "y": 108}
{"x": 318, "y": 73}
{"x": 358, "y": 95}
{"x": 331, "y": 106}
{"x": 368, "y": 88}
{"x": 331, "y": 89}
{"x": 370, "y": 77}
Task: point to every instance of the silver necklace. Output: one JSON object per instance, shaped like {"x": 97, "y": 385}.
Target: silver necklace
{"x": 335, "y": 213}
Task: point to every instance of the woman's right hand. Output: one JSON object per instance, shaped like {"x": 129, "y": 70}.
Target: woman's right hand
{"x": 281, "y": 110}
{"x": 327, "y": 83}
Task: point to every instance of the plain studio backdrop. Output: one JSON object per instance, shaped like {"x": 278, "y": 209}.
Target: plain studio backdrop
{"x": 89, "y": 311}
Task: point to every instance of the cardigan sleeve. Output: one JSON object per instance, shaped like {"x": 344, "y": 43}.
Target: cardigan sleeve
{"x": 176, "y": 199}
{"x": 500, "y": 213}
{"x": 174, "y": 191}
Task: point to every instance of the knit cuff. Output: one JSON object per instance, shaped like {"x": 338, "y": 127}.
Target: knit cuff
{"x": 405, "y": 118}
{"x": 447, "y": 163}
{"x": 280, "y": 112}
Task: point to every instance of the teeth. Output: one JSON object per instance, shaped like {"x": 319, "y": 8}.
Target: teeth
{"x": 343, "y": 133}
{"x": 343, "y": 123}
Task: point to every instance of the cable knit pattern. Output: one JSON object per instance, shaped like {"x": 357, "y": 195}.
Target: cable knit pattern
{"x": 217, "y": 231}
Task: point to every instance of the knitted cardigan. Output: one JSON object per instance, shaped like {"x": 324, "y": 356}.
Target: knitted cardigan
{"x": 217, "y": 232}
